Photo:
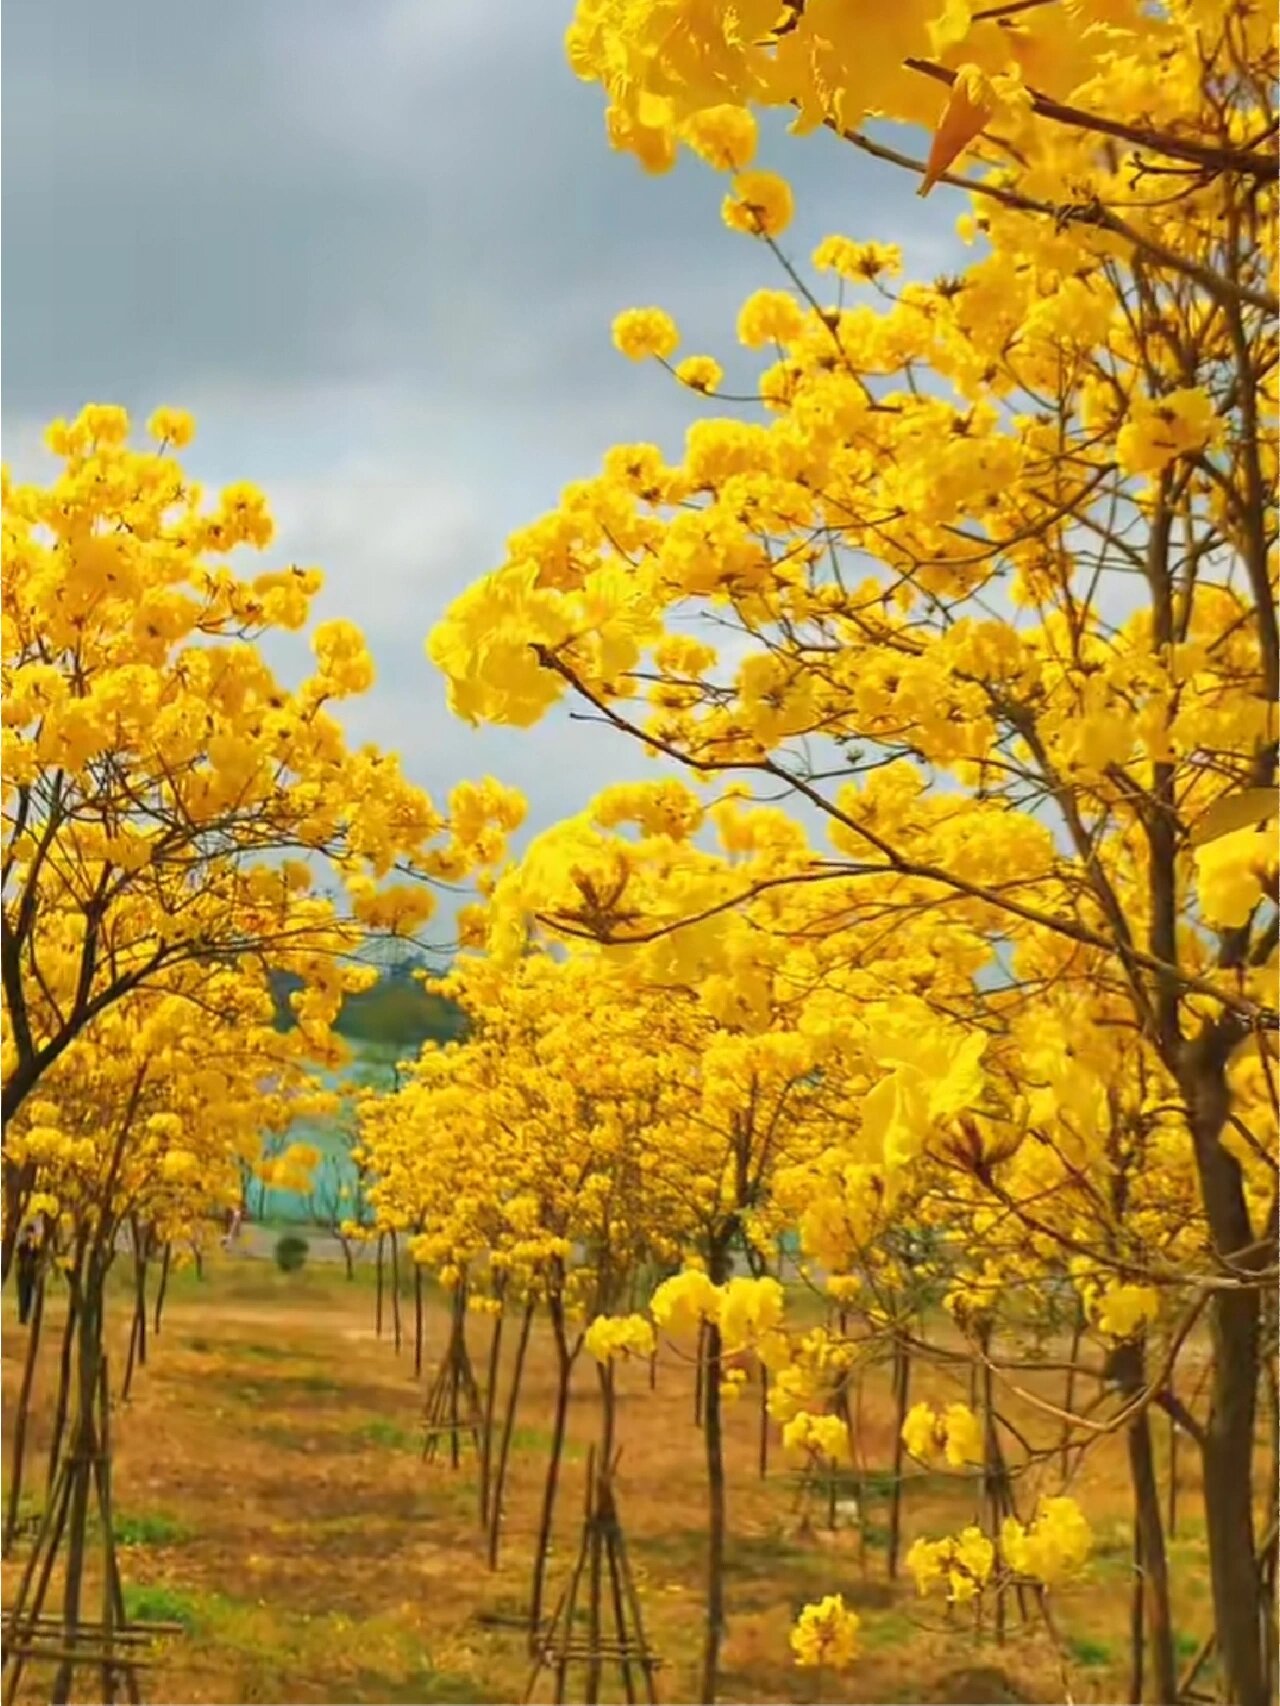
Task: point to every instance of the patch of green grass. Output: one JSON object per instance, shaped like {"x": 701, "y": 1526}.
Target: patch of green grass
{"x": 538, "y": 1441}
{"x": 150, "y": 1528}
{"x": 261, "y": 1353}
{"x": 893, "y": 1629}
{"x": 388, "y": 1434}
{"x": 319, "y": 1385}
{"x": 1090, "y": 1652}
{"x": 420, "y": 1688}
{"x": 283, "y": 1388}
{"x": 765, "y": 1554}
{"x": 163, "y": 1605}
{"x": 916, "y": 1483}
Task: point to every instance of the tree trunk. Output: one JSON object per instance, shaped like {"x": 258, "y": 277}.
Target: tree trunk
{"x": 902, "y": 1397}
{"x": 490, "y": 1403}
{"x": 1150, "y": 1550}
{"x": 508, "y": 1429}
{"x": 1069, "y": 1397}
{"x": 564, "y": 1376}
{"x": 395, "y": 1291}
{"x": 1137, "y": 1625}
{"x": 162, "y": 1287}
{"x": 1227, "y": 1448}
{"x": 419, "y": 1323}
{"x": 82, "y": 1468}
{"x": 711, "y": 1364}
{"x": 700, "y": 1376}
{"x": 21, "y": 1417}
{"x": 63, "y": 1396}
{"x": 762, "y": 1455}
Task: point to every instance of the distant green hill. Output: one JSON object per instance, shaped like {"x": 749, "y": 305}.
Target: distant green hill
{"x": 397, "y": 1011}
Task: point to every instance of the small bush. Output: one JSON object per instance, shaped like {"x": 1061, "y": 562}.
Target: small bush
{"x": 291, "y": 1252}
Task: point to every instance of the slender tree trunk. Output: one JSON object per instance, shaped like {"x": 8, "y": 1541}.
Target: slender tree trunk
{"x": 162, "y": 1288}
{"x": 419, "y": 1321}
{"x": 82, "y": 1467}
{"x": 1137, "y": 1624}
{"x": 1271, "y": 1543}
{"x": 395, "y": 1291}
{"x": 992, "y": 1476}
{"x": 711, "y": 1362}
{"x": 1069, "y": 1397}
{"x": 23, "y": 1411}
{"x": 490, "y": 1404}
{"x": 902, "y": 1398}
{"x": 63, "y": 1395}
{"x": 138, "y": 1333}
{"x": 762, "y": 1455}
{"x": 1149, "y": 1550}
{"x": 508, "y": 1429}
{"x": 564, "y": 1376}
{"x": 601, "y": 1494}
{"x": 377, "y": 1300}
{"x": 1227, "y": 1448}
{"x": 700, "y": 1376}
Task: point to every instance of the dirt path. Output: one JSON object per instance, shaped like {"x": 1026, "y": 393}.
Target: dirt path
{"x": 273, "y": 1499}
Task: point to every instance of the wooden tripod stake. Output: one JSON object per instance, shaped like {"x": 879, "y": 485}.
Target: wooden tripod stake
{"x": 30, "y": 1634}
{"x": 453, "y": 1403}
{"x": 615, "y": 1627}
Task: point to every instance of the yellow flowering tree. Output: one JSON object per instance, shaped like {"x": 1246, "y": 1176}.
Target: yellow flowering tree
{"x": 997, "y": 554}
{"x": 144, "y": 1123}
{"x": 166, "y": 800}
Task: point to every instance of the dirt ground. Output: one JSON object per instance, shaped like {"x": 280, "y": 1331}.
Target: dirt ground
{"x": 273, "y": 1499}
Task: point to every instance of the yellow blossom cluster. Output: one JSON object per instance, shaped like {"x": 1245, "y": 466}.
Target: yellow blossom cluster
{"x": 825, "y": 1635}
{"x": 955, "y": 1433}
{"x": 963, "y": 1564}
{"x": 611, "y": 1336}
{"x": 1053, "y": 1547}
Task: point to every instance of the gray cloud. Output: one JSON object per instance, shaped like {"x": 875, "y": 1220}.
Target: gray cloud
{"x": 376, "y": 248}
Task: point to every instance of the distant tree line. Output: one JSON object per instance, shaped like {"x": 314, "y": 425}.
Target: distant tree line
{"x": 397, "y": 1010}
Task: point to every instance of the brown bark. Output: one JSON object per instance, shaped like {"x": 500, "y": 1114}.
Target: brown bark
{"x": 162, "y": 1288}
{"x": 490, "y": 1405}
{"x": 1153, "y": 1564}
{"x": 1228, "y": 1439}
{"x": 713, "y": 1438}
{"x": 564, "y": 1376}
{"x": 508, "y": 1429}
{"x": 395, "y": 1292}
{"x": 23, "y": 1411}
{"x": 419, "y": 1320}
{"x": 902, "y": 1399}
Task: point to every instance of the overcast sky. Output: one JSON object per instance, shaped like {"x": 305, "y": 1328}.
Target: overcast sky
{"x": 375, "y": 246}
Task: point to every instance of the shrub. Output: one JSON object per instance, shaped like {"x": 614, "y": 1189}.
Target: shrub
{"x": 291, "y": 1252}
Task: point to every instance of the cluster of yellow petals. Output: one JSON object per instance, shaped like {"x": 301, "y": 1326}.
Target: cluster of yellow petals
{"x": 825, "y": 1635}
{"x": 955, "y": 1433}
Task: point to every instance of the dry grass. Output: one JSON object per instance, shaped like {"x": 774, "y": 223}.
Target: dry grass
{"x": 272, "y": 1498}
